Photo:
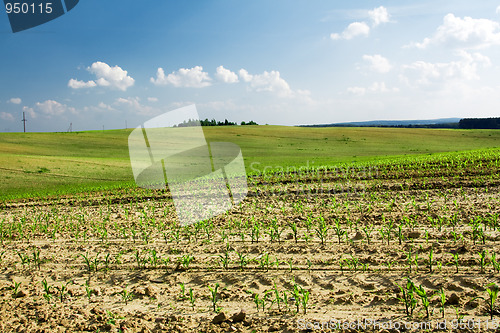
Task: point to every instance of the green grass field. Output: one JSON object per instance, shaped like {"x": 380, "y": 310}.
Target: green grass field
{"x": 39, "y": 164}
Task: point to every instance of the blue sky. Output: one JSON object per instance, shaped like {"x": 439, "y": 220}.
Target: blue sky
{"x": 278, "y": 62}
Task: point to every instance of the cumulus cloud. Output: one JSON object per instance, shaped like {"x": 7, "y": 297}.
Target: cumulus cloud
{"x": 273, "y": 83}
{"x": 378, "y": 63}
{"x": 76, "y": 84}
{"x": 134, "y": 104}
{"x": 105, "y": 106}
{"x": 381, "y": 87}
{"x": 267, "y": 81}
{"x": 354, "y": 29}
{"x": 29, "y": 111}
{"x": 53, "y": 108}
{"x": 106, "y": 76}
{"x": 463, "y": 32}
{"x": 185, "y": 77}
{"x": 15, "y": 100}
{"x": 375, "y": 87}
{"x": 359, "y": 91}
{"x": 152, "y": 99}
{"x": 225, "y": 75}
{"x": 425, "y": 74}
{"x": 245, "y": 76}
{"x": 6, "y": 116}
{"x": 379, "y": 15}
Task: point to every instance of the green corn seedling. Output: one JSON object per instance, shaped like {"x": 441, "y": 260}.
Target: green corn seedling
{"x": 482, "y": 259}
{"x": 213, "y": 297}
{"x": 192, "y": 298}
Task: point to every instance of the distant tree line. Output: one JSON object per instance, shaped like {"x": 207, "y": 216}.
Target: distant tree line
{"x": 441, "y": 125}
{"x": 213, "y": 122}
{"x": 475, "y": 123}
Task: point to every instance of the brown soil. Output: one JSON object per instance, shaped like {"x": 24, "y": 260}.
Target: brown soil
{"x": 349, "y": 276}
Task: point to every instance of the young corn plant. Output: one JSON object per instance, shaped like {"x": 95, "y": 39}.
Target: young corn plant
{"x": 243, "y": 260}
{"x": 409, "y": 258}
{"x": 126, "y": 295}
{"x": 304, "y": 298}
{"x": 264, "y": 261}
{"x": 494, "y": 262}
{"x": 25, "y": 259}
{"x": 493, "y": 295}
{"x": 255, "y": 233}
{"x": 339, "y": 231}
{"x": 322, "y": 230}
{"x": 275, "y": 230}
{"x": 401, "y": 237}
{"x": 182, "y": 295}
{"x": 455, "y": 261}
{"x": 442, "y": 299}
{"x": 88, "y": 291}
{"x": 482, "y": 259}
{"x": 296, "y": 295}
{"x": 408, "y": 297}
{"x": 214, "y": 298}
{"x": 255, "y": 299}
{"x": 277, "y": 298}
{"x": 225, "y": 259}
{"x": 47, "y": 290}
{"x": 368, "y": 229}
{"x": 185, "y": 260}
{"x": 15, "y": 288}
{"x": 431, "y": 259}
{"x": 492, "y": 290}
{"x": 63, "y": 290}
{"x": 424, "y": 298}
{"x": 36, "y": 258}
{"x": 192, "y": 298}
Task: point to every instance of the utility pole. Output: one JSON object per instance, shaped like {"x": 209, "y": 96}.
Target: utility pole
{"x": 24, "y": 122}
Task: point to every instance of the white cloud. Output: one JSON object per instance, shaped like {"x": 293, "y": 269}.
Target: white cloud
{"x": 381, "y": 87}
{"x": 114, "y": 77}
{"x": 15, "y": 100}
{"x": 185, "y": 77}
{"x": 379, "y": 15}
{"x": 29, "y": 111}
{"x": 152, "y": 99}
{"x": 375, "y": 87}
{"x": 463, "y": 32}
{"x": 353, "y": 30}
{"x": 359, "y": 91}
{"x": 106, "y": 76}
{"x": 244, "y": 75}
{"x": 225, "y": 75}
{"x": 267, "y": 81}
{"x": 53, "y": 108}
{"x": 133, "y": 103}
{"x": 378, "y": 63}
{"x": 497, "y": 10}
{"x": 76, "y": 84}
{"x": 105, "y": 106}
{"x": 426, "y": 74}
{"x": 273, "y": 83}
{"x": 6, "y": 116}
